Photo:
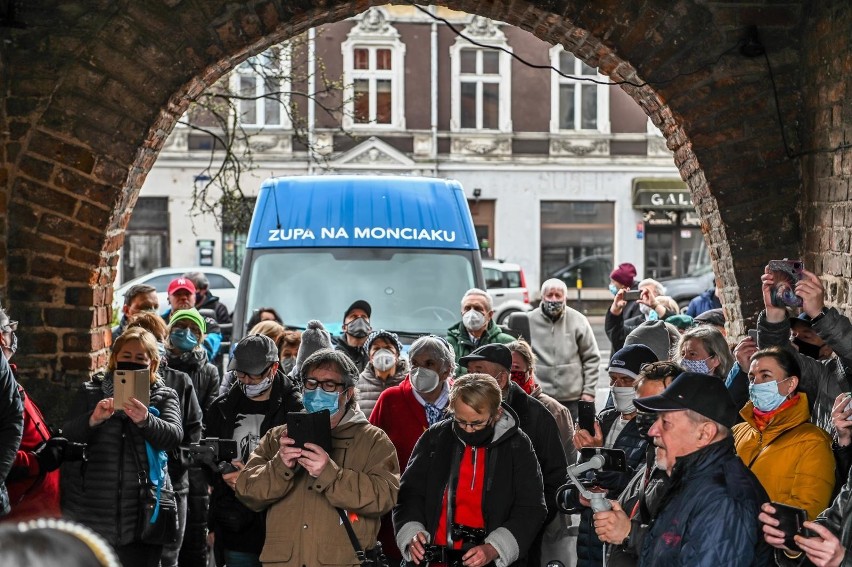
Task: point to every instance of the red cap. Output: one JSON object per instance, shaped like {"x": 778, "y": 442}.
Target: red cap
{"x": 181, "y": 283}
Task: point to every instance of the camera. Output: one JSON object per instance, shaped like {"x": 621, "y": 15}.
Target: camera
{"x": 215, "y": 453}
{"x": 787, "y": 273}
{"x": 76, "y": 451}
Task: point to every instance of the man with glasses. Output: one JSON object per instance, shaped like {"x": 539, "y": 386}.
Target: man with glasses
{"x": 259, "y": 402}
{"x": 312, "y": 498}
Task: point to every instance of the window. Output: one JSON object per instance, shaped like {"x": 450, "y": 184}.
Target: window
{"x": 261, "y": 84}
{"x": 481, "y": 88}
{"x": 373, "y": 62}
{"x": 577, "y": 104}
{"x": 577, "y": 236}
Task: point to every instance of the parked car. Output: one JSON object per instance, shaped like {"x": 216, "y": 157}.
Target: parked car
{"x": 594, "y": 271}
{"x": 223, "y": 284}
{"x": 507, "y": 287}
{"x": 692, "y": 284}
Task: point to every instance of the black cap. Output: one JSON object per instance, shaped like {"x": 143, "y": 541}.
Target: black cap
{"x": 362, "y": 305}
{"x": 700, "y": 393}
{"x": 496, "y": 353}
{"x": 253, "y": 354}
{"x": 630, "y": 359}
{"x": 802, "y": 319}
{"x": 711, "y": 317}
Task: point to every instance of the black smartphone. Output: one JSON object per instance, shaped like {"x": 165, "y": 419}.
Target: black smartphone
{"x": 753, "y": 334}
{"x": 586, "y": 416}
{"x": 632, "y": 295}
{"x": 310, "y": 428}
{"x": 614, "y": 459}
{"x": 792, "y": 520}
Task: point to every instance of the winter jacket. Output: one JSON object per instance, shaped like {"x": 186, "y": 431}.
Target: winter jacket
{"x": 304, "y": 528}
{"x": 190, "y": 413}
{"x": 103, "y": 492}
{"x": 462, "y": 345}
{"x": 564, "y": 422}
{"x": 221, "y": 314}
{"x": 370, "y": 386}
{"x": 568, "y": 360}
{"x": 402, "y": 417}
{"x": 11, "y": 427}
{"x": 708, "y": 516}
{"x": 204, "y": 375}
{"x": 357, "y": 354}
{"x": 791, "y": 458}
{"x": 704, "y": 302}
{"x": 513, "y": 502}
{"x": 236, "y": 527}
{"x": 589, "y": 547}
{"x": 737, "y": 384}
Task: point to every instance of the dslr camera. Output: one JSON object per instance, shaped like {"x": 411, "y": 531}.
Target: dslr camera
{"x": 787, "y": 273}
{"x": 214, "y": 453}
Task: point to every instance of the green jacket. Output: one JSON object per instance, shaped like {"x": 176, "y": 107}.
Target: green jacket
{"x": 459, "y": 339}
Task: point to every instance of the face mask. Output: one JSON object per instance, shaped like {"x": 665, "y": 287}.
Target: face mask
{"x": 473, "y": 320}
{"x": 699, "y": 366}
{"x": 644, "y": 421}
{"x": 766, "y": 396}
{"x": 319, "y": 399}
{"x": 612, "y": 289}
{"x": 623, "y": 397}
{"x": 254, "y": 390}
{"x": 127, "y": 365}
{"x": 383, "y": 360}
{"x": 161, "y": 349}
{"x": 644, "y": 309}
{"x": 287, "y": 364}
{"x": 552, "y": 309}
{"x": 520, "y": 378}
{"x": 479, "y": 438}
{"x": 183, "y": 339}
{"x": 807, "y": 349}
{"x": 358, "y": 328}
{"x": 424, "y": 380}
{"x": 652, "y": 315}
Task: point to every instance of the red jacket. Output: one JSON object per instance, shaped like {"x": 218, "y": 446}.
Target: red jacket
{"x": 401, "y": 416}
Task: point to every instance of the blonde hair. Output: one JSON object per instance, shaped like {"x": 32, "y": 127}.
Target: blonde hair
{"x": 148, "y": 342}
{"x": 151, "y": 322}
{"x": 669, "y": 303}
{"x": 523, "y": 348}
{"x": 479, "y": 391}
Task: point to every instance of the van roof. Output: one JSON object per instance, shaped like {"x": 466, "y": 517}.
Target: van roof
{"x": 361, "y": 211}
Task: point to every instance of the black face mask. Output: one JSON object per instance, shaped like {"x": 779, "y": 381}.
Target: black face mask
{"x": 644, "y": 421}
{"x": 126, "y": 365}
{"x": 479, "y": 438}
{"x": 358, "y": 328}
{"x": 807, "y": 349}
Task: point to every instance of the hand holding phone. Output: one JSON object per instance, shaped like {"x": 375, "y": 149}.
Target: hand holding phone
{"x": 310, "y": 428}
{"x": 791, "y": 522}
{"x": 586, "y": 416}
{"x": 632, "y": 295}
{"x": 785, "y": 274}
{"x": 127, "y": 384}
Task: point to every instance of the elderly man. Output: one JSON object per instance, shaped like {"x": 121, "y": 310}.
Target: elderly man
{"x": 534, "y": 419}
{"x": 311, "y": 496}
{"x": 477, "y": 327}
{"x": 709, "y": 516}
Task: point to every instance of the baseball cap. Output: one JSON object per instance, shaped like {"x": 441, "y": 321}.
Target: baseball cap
{"x": 629, "y": 360}
{"x": 802, "y": 319}
{"x": 190, "y": 314}
{"x": 359, "y": 304}
{"x": 181, "y": 283}
{"x": 711, "y": 317}
{"x": 700, "y": 393}
{"x": 497, "y": 353}
{"x": 253, "y": 354}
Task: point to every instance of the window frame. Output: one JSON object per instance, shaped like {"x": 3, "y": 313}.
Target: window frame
{"x": 243, "y": 71}
{"x": 601, "y": 91}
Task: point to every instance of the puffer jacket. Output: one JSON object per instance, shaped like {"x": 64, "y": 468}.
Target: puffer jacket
{"x": 370, "y": 387}
{"x": 791, "y": 458}
{"x": 567, "y": 356}
{"x": 459, "y": 340}
{"x": 204, "y": 375}
{"x": 513, "y": 501}
{"x": 103, "y": 492}
{"x": 190, "y": 413}
{"x": 304, "y": 528}
{"x": 708, "y": 516}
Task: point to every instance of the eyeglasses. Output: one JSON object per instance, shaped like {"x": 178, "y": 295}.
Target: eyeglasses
{"x": 252, "y": 377}
{"x": 472, "y": 425}
{"x": 326, "y": 385}
{"x": 10, "y": 328}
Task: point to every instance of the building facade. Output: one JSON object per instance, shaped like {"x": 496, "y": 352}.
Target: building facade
{"x": 560, "y": 172}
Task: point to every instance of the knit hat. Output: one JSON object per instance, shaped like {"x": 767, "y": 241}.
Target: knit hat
{"x": 253, "y": 354}
{"x": 630, "y": 359}
{"x": 624, "y": 274}
{"x": 192, "y": 314}
{"x": 659, "y": 336}
{"x": 681, "y": 321}
{"x": 389, "y": 336}
{"x": 314, "y": 338}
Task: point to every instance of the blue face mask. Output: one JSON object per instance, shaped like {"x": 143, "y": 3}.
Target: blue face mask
{"x": 319, "y": 399}
{"x": 699, "y": 366}
{"x": 766, "y": 396}
{"x": 612, "y": 289}
{"x": 183, "y": 339}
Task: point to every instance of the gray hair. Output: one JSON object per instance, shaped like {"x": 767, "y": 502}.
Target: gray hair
{"x": 554, "y": 283}
{"x": 198, "y": 279}
{"x": 659, "y": 288}
{"x": 330, "y": 357}
{"x": 436, "y": 347}
{"x": 714, "y": 343}
{"x": 4, "y": 318}
{"x": 481, "y": 293}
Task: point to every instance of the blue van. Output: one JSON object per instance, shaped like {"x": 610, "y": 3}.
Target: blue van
{"x": 407, "y": 245}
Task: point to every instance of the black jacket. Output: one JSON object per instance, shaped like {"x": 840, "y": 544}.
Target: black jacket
{"x": 11, "y": 427}
{"x": 513, "y": 498}
{"x": 358, "y": 355}
{"x": 204, "y": 375}
{"x": 190, "y": 421}
{"x": 103, "y": 492}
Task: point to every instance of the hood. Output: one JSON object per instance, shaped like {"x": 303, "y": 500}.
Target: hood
{"x": 402, "y": 368}
{"x": 352, "y": 416}
{"x": 506, "y": 426}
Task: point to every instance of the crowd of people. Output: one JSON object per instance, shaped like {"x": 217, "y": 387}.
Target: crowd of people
{"x": 456, "y": 452}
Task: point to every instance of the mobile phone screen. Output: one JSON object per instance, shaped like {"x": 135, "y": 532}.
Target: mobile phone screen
{"x": 632, "y": 295}
{"x": 586, "y": 416}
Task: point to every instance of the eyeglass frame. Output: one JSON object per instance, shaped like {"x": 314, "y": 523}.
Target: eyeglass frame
{"x": 11, "y": 327}
{"x": 253, "y": 377}
{"x": 338, "y": 386}
{"x": 472, "y": 425}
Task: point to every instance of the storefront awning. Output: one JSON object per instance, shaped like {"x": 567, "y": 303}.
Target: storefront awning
{"x": 661, "y": 194}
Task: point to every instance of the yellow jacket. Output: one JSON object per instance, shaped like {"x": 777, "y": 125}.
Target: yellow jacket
{"x": 791, "y": 458}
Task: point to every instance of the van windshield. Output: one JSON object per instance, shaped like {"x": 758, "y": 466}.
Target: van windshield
{"x": 410, "y": 291}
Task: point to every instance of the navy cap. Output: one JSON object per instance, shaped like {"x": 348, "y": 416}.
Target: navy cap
{"x": 700, "y": 393}
{"x": 630, "y": 359}
{"x": 495, "y": 352}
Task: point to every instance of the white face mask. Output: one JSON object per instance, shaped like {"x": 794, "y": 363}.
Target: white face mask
{"x": 424, "y": 380}
{"x": 623, "y": 397}
{"x": 383, "y": 360}
{"x": 473, "y": 320}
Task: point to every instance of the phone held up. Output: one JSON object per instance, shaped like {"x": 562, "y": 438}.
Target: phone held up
{"x": 786, "y": 273}
{"x": 128, "y": 384}
{"x": 310, "y": 428}
{"x": 792, "y": 521}
{"x": 586, "y": 416}
{"x": 632, "y": 295}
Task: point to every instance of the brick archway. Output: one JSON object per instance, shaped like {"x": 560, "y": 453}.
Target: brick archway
{"x": 92, "y": 93}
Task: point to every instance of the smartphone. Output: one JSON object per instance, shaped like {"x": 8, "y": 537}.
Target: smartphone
{"x": 310, "y": 428}
{"x": 791, "y": 521}
{"x": 614, "y": 459}
{"x": 586, "y": 416}
{"x": 128, "y": 384}
{"x": 632, "y": 295}
{"x": 753, "y": 334}
{"x": 787, "y": 273}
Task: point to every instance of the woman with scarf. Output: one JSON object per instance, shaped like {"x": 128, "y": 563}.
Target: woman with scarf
{"x": 103, "y": 491}
{"x": 386, "y": 368}
{"x": 790, "y": 456}
{"x": 472, "y": 493}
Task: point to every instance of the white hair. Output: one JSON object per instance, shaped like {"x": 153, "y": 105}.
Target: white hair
{"x": 659, "y": 288}
{"x": 554, "y": 283}
{"x": 480, "y": 293}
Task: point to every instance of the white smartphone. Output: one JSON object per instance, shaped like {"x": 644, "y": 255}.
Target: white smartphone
{"x": 128, "y": 384}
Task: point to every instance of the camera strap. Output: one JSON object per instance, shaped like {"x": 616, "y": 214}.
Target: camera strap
{"x": 344, "y": 519}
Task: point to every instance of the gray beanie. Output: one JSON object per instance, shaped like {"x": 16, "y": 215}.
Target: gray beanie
{"x": 659, "y": 336}
{"x": 314, "y": 338}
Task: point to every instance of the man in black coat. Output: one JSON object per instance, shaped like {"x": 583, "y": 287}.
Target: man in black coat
{"x": 11, "y": 427}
